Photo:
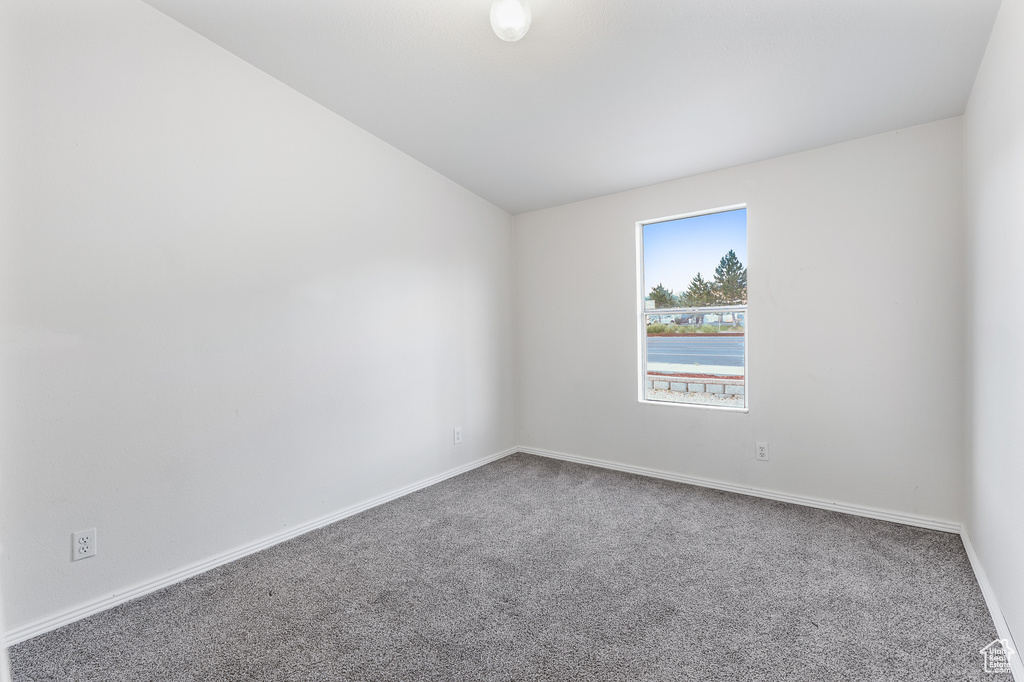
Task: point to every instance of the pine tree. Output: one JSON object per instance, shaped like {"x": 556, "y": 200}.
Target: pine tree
{"x": 730, "y": 285}
{"x": 662, "y": 297}
{"x": 699, "y": 293}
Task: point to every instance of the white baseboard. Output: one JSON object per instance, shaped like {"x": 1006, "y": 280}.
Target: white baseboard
{"x": 20, "y": 634}
{"x": 5, "y": 669}
{"x": 1016, "y": 665}
{"x": 856, "y": 510}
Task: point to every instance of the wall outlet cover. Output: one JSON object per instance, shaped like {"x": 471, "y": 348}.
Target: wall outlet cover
{"x": 83, "y": 544}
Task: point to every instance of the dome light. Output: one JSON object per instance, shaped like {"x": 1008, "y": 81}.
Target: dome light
{"x": 510, "y": 19}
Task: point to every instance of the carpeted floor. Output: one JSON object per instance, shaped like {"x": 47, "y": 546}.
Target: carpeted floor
{"x": 535, "y": 569}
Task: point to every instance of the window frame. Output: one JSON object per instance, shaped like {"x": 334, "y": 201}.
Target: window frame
{"x": 641, "y": 318}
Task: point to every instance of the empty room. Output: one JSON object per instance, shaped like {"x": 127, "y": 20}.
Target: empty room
{"x": 511, "y": 340}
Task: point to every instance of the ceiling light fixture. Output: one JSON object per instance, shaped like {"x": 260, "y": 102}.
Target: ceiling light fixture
{"x": 510, "y": 19}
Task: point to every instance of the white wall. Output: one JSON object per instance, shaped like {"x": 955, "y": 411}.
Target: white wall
{"x": 861, "y": 404}
{"x": 225, "y": 310}
{"x": 994, "y": 133}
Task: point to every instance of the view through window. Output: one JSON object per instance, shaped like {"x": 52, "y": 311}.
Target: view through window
{"x": 694, "y": 309}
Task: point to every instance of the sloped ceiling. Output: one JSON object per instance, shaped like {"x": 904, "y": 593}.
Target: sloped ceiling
{"x": 605, "y": 95}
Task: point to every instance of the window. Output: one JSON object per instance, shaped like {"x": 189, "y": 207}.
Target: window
{"x": 693, "y": 309}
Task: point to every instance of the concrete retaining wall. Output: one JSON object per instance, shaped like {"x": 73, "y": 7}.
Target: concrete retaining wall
{"x": 720, "y": 385}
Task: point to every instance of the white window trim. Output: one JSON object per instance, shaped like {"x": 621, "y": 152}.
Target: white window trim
{"x": 641, "y": 328}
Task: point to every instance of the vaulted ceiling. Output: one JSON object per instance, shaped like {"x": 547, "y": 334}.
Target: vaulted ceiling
{"x": 605, "y": 95}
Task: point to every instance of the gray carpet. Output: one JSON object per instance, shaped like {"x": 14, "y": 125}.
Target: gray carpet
{"x": 535, "y": 569}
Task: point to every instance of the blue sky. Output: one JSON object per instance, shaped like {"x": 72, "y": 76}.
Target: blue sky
{"x": 676, "y": 250}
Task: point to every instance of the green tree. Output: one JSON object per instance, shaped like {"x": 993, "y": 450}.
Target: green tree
{"x": 730, "y": 285}
{"x": 662, "y": 297}
{"x": 699, "y": 293}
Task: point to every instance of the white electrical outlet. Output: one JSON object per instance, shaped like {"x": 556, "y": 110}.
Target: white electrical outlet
{"x": 458, "y": 435}
{"x": 762, "y": 452}
{"x": 83, "y": 544}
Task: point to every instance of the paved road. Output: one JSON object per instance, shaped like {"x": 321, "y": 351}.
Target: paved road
{"x": 696, "y": 350}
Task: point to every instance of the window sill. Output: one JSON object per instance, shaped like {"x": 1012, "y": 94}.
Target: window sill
{"x": 667, "y": 403}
